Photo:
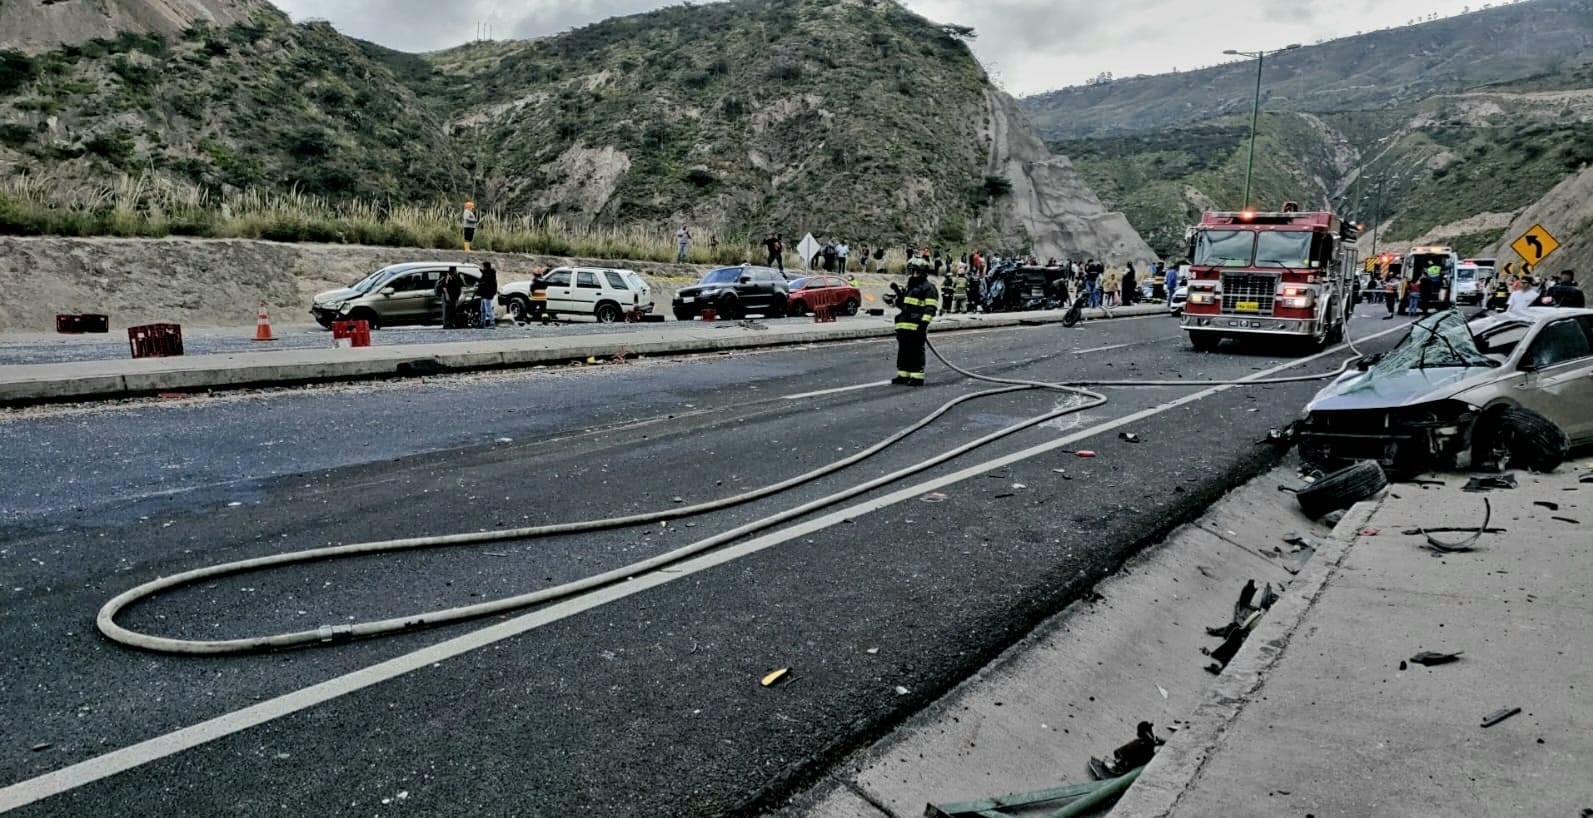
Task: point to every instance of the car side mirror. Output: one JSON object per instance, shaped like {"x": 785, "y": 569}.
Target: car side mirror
{"x": 746, "y": 279}
{"x": 388, "y": 290}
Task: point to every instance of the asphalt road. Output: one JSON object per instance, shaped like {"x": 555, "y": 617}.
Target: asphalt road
{"x": 647, "y": 705}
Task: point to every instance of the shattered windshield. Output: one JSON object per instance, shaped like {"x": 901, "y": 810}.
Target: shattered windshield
{"x": 1436, "y": 341}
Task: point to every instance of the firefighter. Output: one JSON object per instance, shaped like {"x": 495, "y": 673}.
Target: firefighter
{"x": 918, "y": 303}
{"x": 1431, "y": 289}
{"x": 539, "y": 297}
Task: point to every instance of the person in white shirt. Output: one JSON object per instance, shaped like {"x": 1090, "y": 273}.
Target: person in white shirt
{"x": 1524, "y": 297}
{"x": 841, "y": 252}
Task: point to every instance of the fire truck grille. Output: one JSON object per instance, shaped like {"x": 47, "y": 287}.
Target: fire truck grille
{"x": 1248, "y": 294}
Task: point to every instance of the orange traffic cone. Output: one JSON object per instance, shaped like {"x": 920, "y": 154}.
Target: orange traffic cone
{"x": 262, "y": 328}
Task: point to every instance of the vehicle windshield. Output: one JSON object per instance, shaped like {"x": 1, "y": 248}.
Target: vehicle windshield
{"x": 365, "y": 284}
{"x": 1224, "y": 248}
{"x": 1284, "y": 248}
{"x": 727, "y": 275}
{"x": 1436, "y": 341}
{"x": 1466, "y": 274}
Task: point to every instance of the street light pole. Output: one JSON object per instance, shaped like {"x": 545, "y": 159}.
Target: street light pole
{"x": 1255, "y": 108}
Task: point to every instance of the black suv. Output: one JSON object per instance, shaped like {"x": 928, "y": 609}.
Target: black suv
{"x": 735, "y": 292}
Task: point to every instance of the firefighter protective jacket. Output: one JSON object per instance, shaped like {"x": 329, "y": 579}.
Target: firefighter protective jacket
{"x": 919, "y": 304}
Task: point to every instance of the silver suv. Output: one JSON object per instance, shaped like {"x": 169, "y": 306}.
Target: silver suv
{"x": 400, "y": 294}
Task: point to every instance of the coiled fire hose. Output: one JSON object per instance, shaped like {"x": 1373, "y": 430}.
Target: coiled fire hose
{"x": 106, "y": 619}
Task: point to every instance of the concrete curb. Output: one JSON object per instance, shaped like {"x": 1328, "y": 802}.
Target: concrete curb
{"x": 100, "y": 380}
{"x": 1178, "y": 763}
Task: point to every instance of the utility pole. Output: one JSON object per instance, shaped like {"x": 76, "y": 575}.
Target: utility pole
{"x": 1377, "y": 217}
{"x": 1255, "y": 108}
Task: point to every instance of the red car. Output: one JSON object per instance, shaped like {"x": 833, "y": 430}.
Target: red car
{"x": 808, "y": 294}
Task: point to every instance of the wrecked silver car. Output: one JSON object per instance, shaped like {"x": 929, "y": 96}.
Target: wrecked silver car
{"x": 1511, "y": 388}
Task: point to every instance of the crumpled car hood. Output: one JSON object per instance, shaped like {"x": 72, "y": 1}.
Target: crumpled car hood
{"x": 1362, "y": 390}
{"x": 337, "y": 295}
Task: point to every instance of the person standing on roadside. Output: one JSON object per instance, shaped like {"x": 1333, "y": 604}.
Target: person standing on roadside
{"x": 1566, "y": 293}
{"x": 1390, "y": 294}
{"x": 469, "y": 221}
{"x": 776, "y": 249}
{"x": 1525, "y": 296}
{"x": 682, "y": 244}
{"x": 449, "y": 288}
{"x": 959, "y": 290}
{"x": 862, "y": 259}
{"x": 1130, "y": 285}
{"x": 1092, "y": 281}
{"x": 487, "y": 291}
{"x": 1172, "y": 282}
{"x": 841, "y": 252}
{"x": 917, "y": 305}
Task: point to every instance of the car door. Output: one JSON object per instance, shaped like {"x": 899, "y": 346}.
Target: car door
{"x": 618, "y": 290}
{"x": 585, "y": 293}
{"x": 1558, "y": 383}
{"x": 412, "y": 298}
{"x": 560, "y": 298}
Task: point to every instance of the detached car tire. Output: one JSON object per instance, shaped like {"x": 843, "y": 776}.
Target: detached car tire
{"x": 1531, "y": 440}
{"x": 1342, "y": 489}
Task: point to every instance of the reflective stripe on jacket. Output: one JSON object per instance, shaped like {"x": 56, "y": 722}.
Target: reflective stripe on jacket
{"x": 920, "y": 303}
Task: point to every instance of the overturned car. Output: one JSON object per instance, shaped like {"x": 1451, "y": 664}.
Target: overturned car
{"x": 1511, "y": 389}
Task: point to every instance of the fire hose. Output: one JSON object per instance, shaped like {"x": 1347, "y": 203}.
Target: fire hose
{"x": 326, "y": 634}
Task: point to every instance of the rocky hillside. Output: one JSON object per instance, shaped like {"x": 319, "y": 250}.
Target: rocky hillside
{"x": 34, "y": 26}
{"x": 1455, "y": 166}
{"x": 745, "y": 116}
{"x": 1381, "y": 70}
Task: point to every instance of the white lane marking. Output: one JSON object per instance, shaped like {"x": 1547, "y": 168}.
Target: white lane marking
{"x": 1102, "y": 349}
{"x": 837, "y": 390}
{"x": 87, "y": 772}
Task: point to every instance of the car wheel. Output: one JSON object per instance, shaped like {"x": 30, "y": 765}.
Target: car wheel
{"x": 796, "y": 308}
{"x": 369, "y": 316}
{"x": 777, "y": 309}
{"x": 1205, "y": 341}
{"x": 1521, "y": 438}
{"x": 851, "y": 307}
{"x": 609, "y": 313}
{"x": 1342, "y": 489}
{"x": 683, "y": 315}
{"x": 518, "y": 309}
{"x": 730, "y": 308}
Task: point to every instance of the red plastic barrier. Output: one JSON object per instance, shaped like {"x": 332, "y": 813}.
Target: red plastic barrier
{"x": 79, "y": 324}
{"x": 357, "y": 333}
{"x": 156, "y": 340}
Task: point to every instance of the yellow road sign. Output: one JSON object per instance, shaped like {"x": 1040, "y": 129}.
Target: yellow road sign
{"x": 1535, "y": 245}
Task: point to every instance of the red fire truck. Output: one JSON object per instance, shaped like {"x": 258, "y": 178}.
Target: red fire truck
{"x": 1281, "y": 275}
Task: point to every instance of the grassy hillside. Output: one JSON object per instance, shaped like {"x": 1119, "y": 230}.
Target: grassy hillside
{"x": 260, "y": 105}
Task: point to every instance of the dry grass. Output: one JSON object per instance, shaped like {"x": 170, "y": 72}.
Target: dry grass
{"x": 143, "y": 207}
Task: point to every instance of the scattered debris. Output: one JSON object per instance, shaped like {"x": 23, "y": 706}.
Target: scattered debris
{"x": 1428, "y": 658}
{"x": 1129, "y": 757}
{"x": 1403, "y": 666}
{"x": 1368, "y": 532}
{"x": 902, "y": 691}
{"x": 1417, "y": 481}
{"x": 1246, "y": 612}
{"x": 1129, "y": 437}
{"x": 1571, "y": 520}
{"x": 1467, "y": 544}
{"x": 1417, "y": 532}
{"x": 1163, "y": 691}
{"x": 1085, "y": 453}
{"x": 750, "y": 324}
{"x": 1499, "y": 481}
{"x": 872, "y": 651}
{"x": 493, "y": 554}
{"x": 774, "y": 678}
{"x": 1499, "y": 715}
{"x": 934, "y": 497}
{"x": 1005, "y": 496}
{"x": 41, "y": 747}
{"x": 985, "y": 807}
{"x": 1548, "y": 505}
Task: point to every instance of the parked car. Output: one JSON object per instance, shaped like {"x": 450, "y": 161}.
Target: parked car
{"x": 400, "y": 294}
{"x": 813, "y": 292}
{"x": 603, "y": 293}
{"x": 735, "y": 292}
{"x": 1453, "y": 395}
{"x": 1472, "y": 283}
{"x": 1175, "y": 305}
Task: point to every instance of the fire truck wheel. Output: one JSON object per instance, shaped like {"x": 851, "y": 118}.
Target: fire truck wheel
{"x": 1205, "y": 341}
{"x": 1342, "y": 489}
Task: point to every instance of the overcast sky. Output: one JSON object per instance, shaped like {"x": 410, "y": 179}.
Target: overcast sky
{"x": 1028, "y": 45}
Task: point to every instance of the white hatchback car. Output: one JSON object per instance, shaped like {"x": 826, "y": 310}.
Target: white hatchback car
{"x": 604, "y": 293}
